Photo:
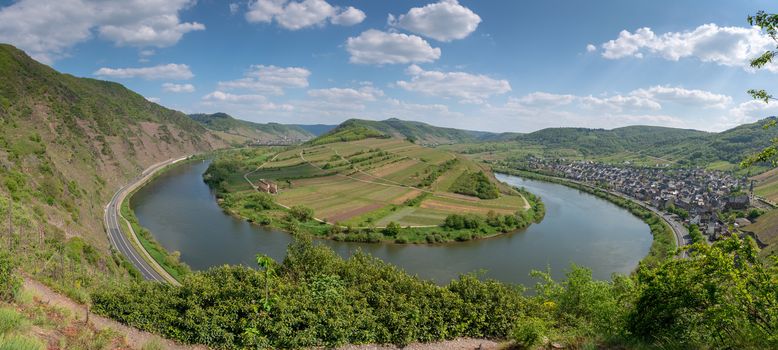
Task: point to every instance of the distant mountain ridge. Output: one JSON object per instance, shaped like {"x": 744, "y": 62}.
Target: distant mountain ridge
{"x": 685, "y": 146}
{"x": 250, "y": 131}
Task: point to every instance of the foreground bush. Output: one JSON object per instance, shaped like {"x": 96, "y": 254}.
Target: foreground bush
{"x": 10, "y": 281}
{"x": 722, "y": 297}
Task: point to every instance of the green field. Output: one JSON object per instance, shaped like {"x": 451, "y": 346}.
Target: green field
{"x": 365, "y": 182}
{"x": 370, "y": 184}
{"x": 767, "y": 185}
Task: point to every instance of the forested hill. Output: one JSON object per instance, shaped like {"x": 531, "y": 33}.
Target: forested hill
{"x": 684, "y": 146}
{"x": 269, "y": 132}
{"x": 602, "y": 141}
{"x": 67, "y": 143}
{"x": 419, "y": 132}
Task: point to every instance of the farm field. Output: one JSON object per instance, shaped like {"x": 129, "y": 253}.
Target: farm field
{"x": 767, "y": 185}
{"x": 373, "y": 182}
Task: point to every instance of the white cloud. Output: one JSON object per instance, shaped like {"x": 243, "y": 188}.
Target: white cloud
{"x": 153, "y": 99}
{"x": 349, "y": 17}
{"x": 654, "y": 105}
{"x": 699, "y": 98}
{"x": 726, "y": 46}
{"x": 465, "y": 87}
{"x": 446, "y": 20}
{"x": 750, "y": 111}
{"x": 377, "y": 47}
{"x": 234, "y": 8}
{"x": 618, "y": 103}
{"x": 591, "y": 48}
{"x": 177, "y": 88}
{"x": 545, "y": 99}
{"x": 160, "y": 31}
{"x": 295, "y": 15}
{"x": 254, "y": 101}
{"x": 347, "y": 95}
{"x": 338, "y": 101}
{"x": 47, "y": 29}
{"x": 270, "y": 79}
{"x": 646, "y": 99}
{"x": 165, "y": 71}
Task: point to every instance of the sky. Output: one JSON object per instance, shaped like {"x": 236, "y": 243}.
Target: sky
{"x": 490, "y": 65}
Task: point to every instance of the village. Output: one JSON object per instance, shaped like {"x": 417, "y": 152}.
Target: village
{"x": 693, "y": 196}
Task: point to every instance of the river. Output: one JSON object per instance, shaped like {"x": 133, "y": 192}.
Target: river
{"x": 182, "y": 213}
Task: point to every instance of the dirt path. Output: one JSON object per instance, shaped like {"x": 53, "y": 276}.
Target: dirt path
{"x": 456, "y": 344}
{"x": 135, "y": 338}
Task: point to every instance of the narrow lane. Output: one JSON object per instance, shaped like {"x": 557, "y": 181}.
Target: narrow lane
{"x": 113, "y": 221}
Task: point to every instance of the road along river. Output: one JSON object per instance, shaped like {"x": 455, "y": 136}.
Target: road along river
{"x": 182, "y": 213}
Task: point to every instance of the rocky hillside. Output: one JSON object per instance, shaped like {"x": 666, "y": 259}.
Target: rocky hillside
{"x": 67, "y": 143}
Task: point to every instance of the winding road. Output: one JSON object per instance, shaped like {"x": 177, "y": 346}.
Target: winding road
{"x": 131, "y": 247}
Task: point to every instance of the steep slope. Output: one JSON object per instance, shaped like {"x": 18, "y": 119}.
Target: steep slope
{"x": 419, "y": 132}
{"x": 253, "y": 132}
{"x": 67, "y": 143}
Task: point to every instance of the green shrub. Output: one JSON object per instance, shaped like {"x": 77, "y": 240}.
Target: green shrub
{"x": 392, "y": 229}
{"x": 529, "y": 332}
{"x": 301, "y": 213}
{"x": 475, "y": 184}
{"x": 10, "y": 282}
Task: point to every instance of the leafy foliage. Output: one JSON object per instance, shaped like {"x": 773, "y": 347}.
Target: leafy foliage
{"x": 475, "y": 184}
{"x": 10, "y": 282}
{"x": 723, "y": 296}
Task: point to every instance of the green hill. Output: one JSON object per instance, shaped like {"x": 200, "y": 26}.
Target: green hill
{"x": 254, "y": 132}
{"x": 67, "y": 143}
{"x": 601, "y": 141}
{"x": 638, "y": 144}
{"x": 417, "y": 132}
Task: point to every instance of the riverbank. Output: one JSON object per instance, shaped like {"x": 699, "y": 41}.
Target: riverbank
{"x": 342, "y": 207}
{"x": 167, "y": 264}
{"x": 261, "y": 209}
{"x": 665, "y": 242}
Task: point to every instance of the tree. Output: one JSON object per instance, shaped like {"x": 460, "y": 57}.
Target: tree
{"x": 769, "y": 24}
{"x": 301, "y": 213}
{"x": 392, "y": 229}
{"x": 723, "y": 296}
{"x": 267, "y": 265}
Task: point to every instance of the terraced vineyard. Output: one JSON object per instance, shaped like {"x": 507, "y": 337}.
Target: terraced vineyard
{"x": 367, "y": 182}
{"x": 372, "y": 184}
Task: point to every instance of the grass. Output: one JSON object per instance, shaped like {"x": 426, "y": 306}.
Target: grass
{"x": 20, "y": 342}
{"x": 767, "y": 185}
{"x": 765, "y": 227}
{"x": 11, "y": 321}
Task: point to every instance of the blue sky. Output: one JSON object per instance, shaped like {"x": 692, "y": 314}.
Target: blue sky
{"x": 486, "y": 65}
